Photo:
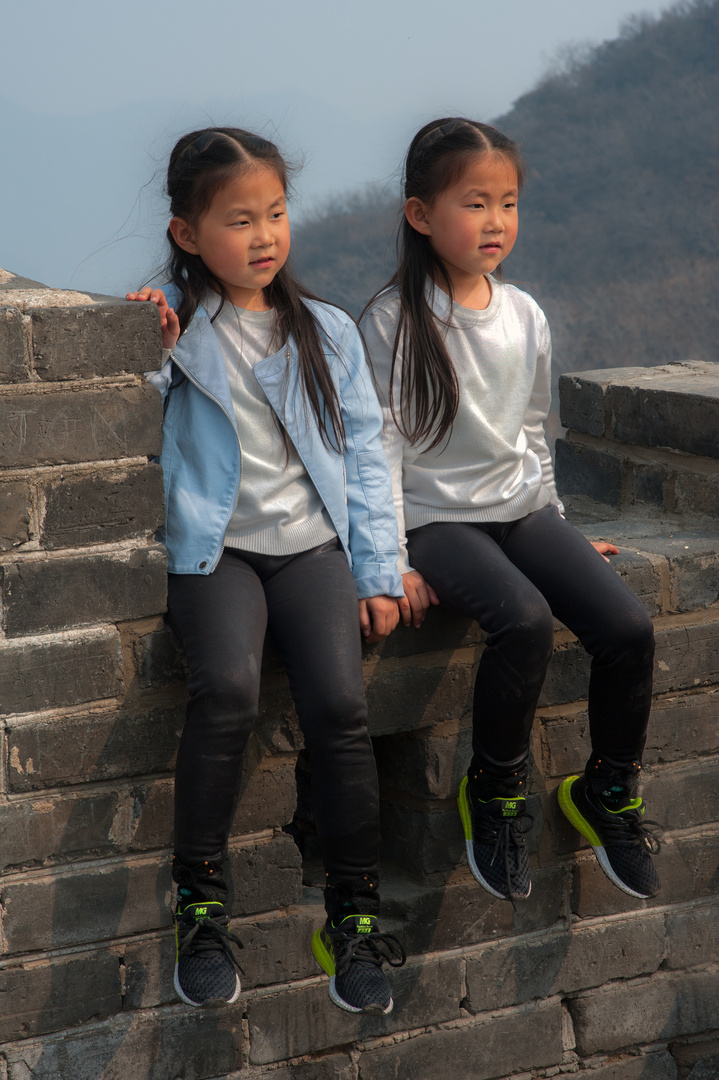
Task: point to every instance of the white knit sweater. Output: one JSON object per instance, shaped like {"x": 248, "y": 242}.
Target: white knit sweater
{"x": 495, "y": 465}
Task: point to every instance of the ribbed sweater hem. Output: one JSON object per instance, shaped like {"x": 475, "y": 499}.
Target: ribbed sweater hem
{"x": 278, "y": 540}
{"x": 418, "y": 514}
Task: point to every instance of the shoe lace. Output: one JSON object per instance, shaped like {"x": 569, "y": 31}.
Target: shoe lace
{"x": 629, "y": 829}
{"x": 372, "y": 948}
{"x": 507, "y": 835}
{"x": 210, "y": 935}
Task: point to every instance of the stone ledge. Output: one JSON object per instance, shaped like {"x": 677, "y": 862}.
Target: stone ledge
{"x": 675, "y": 406}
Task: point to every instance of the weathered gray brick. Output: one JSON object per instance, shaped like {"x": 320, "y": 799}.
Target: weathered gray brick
{"x": 685, "y": 795}
{"x": 696, "y": 494}
{"x": 90, "y": 902}
{"x": 12, "y": 346}
{"x": 414, "y": 693}
{"x": 461, "y": 913}
{"x": 523, "y": 1038}
{"x": 427, "y": 845}
{"x": 693, "y": 936}
{"x": 564, "y": 961}
{"x": 428, "y": 764}
{"x": 107, "y": 338}
{"x": 159, "y": 658}
{"x": 268, "y": 795}
{"x": 584, "y": 470}
{"x": 45, "y": 595}
{"x": 679, "y": 416}
{"x": 692, "y": 563}
{"x": 63, "y": 669}
{"x": 14, "y": 514}
{"x": 43, "y": 427}
{"x": 52, "y": 751}
{"x": 46, "y": 995}
{"x": 674, "y": 406}
{"x": 646, "y": 1011}
{"x": 301, "y": 1019}
{"x": 267, "y": 874}
{"x": 442, "y": 629}
{"x": 581, "y": 401}
{"x": 35, "y": 829}
{"x": 102, "y": 507}
{"x": 686, "y": 656}
{"x": 649, "y": 485}
{"x": 651, "y": 1066}
{"x": 170, "y": 1044}
{"x": 686, "y": 866}
{"x": 328, "y": 1067}
{"x": 680, "y": 726}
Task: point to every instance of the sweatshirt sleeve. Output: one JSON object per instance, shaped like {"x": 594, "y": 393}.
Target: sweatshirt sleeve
{"x": 379, "y": 327}
{"x": 162, "y": 378}
{"x": 538, "y": 410}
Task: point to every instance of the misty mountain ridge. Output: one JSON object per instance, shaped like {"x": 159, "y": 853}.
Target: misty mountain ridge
{"x": 619, "y": 222}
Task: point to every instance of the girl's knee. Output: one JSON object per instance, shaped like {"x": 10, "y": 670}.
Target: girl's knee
{"x": 225, "y": 693}
{"x": 531, "y": 627}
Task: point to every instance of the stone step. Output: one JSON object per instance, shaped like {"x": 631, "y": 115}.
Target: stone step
{"x": 599, "y": 478}
{"x": 673, "y": 405}
{"x": 507, "y": 958}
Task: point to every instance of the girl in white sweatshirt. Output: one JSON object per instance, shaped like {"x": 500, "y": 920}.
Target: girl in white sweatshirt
{"x": 463, "y": 366}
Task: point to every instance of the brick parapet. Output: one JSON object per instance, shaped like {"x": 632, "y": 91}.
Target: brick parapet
{"x": 91, "y": 705}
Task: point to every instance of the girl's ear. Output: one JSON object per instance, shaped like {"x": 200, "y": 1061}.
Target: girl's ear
{"x": 416, "y": 213}
{"x": 183, "y": 235}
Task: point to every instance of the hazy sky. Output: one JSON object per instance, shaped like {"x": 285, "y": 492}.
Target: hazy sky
{"x": 93, "y": 96}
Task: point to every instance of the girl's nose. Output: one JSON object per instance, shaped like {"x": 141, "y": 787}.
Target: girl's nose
{"x": 263, "y": 234}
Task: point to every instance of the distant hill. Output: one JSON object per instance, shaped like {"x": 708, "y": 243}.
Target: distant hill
{"x": 619, "y": 224}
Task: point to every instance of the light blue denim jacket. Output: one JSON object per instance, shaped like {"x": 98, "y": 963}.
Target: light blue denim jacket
{"x": 202, "y": 449}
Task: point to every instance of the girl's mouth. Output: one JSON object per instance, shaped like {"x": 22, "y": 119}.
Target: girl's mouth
{"x": 262, "y": 263}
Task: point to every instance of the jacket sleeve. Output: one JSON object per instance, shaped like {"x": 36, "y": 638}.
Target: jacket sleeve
{"x": 538, "y": 410}
{"x": 380, "y": 342}
{"x": 372, "y": 521}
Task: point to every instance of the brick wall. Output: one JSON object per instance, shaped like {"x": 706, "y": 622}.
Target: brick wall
{"x": 580, "y": 979}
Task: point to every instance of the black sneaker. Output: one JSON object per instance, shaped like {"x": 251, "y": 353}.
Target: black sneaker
{"x": 352, "y": 954}
{"x": 496, "y": 849}
{"x": 611, "y": 820}
{"x": 205, "y": 966}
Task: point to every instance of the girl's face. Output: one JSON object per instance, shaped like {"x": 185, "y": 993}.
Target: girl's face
{"x": 472, "y": 225}
{"x": 243, "y": 237}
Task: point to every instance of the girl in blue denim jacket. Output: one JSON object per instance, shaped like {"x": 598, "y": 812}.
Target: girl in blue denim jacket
{"x": 278, "y": 513}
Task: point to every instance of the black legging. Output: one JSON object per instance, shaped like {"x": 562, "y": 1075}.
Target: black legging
{"x": 310, "y": 603}
{"x": 511, "y": 577}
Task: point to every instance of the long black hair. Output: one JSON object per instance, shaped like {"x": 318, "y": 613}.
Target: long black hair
{"x": 438, "y": 155}
{"x": 201, "y": 163}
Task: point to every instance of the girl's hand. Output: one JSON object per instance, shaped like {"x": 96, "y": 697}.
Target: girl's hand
{"x": 605, "y": 549}
{"x": 418, "y": 595}
{"x": 169, "y": 323}
{"x": 378, "y": 616}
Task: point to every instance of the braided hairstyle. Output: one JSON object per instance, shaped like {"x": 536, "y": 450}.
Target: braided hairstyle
{"x": 438, "y": 155}
{"x": 201, "y": 163}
